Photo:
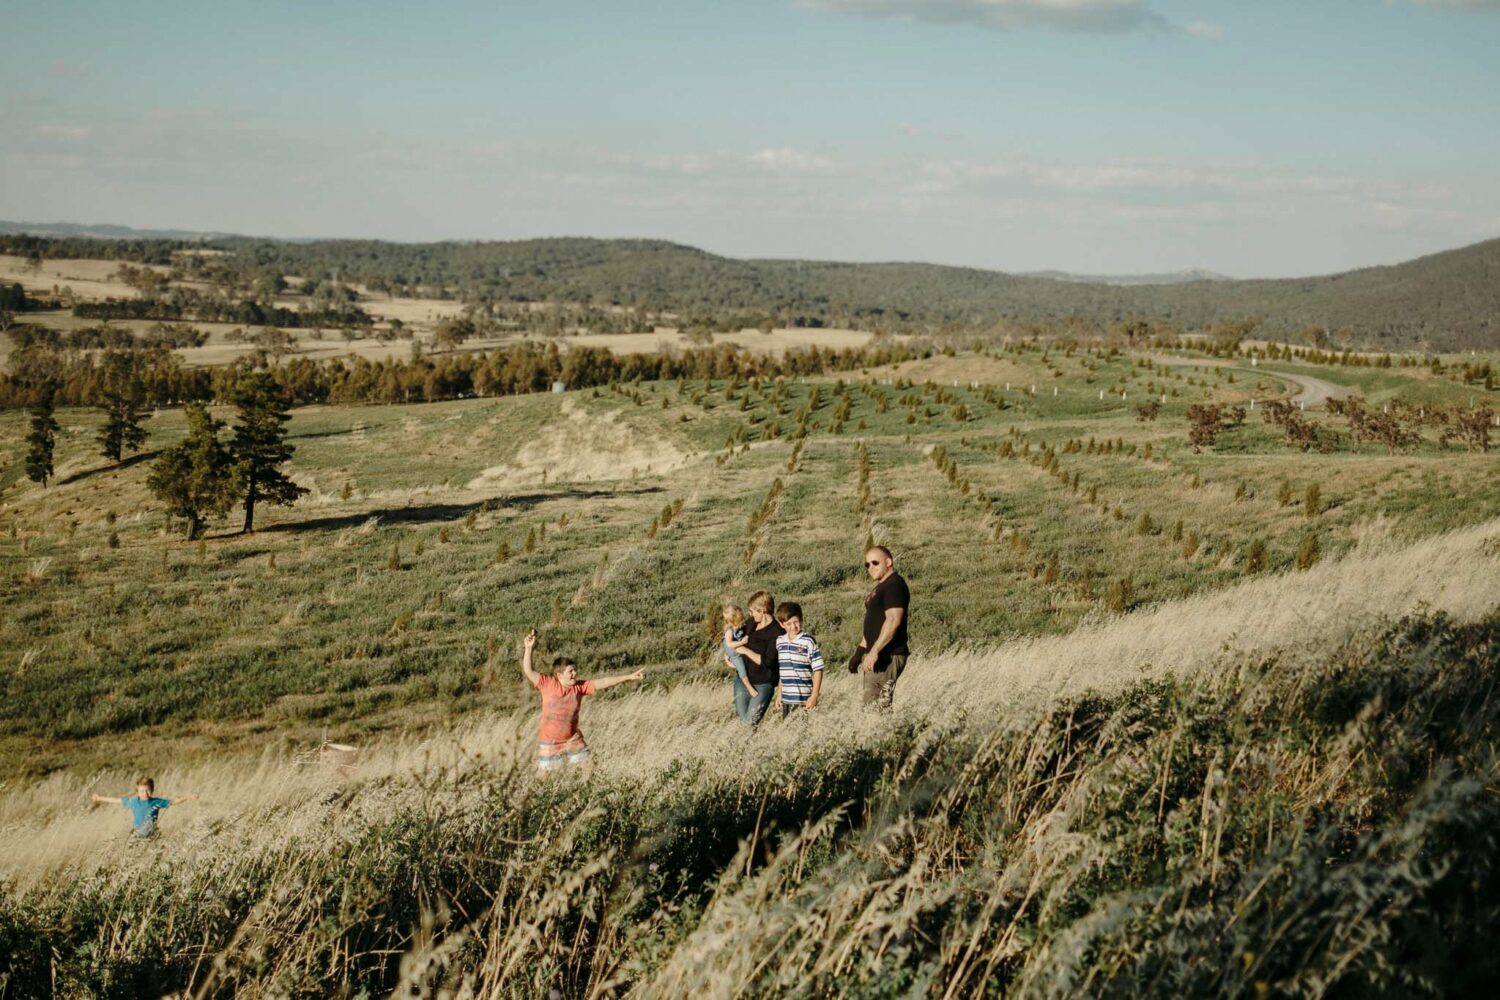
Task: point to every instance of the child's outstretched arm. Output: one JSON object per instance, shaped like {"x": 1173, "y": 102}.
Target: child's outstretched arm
{"x": 112, "y": 799}
{"x": 609, "y": 682}
{"x": 528, "y": 644}
{"x": 179, "y": 800}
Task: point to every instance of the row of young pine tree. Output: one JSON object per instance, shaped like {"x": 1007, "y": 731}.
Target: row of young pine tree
{"x": 81, "y": 378}
{"x": 204, "y": 475}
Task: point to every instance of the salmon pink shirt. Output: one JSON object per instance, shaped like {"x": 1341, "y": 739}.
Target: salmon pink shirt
{"x": 560, "y": 708}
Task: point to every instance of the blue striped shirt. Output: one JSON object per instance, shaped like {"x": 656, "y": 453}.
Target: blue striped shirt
{"x": 798, "y": 659}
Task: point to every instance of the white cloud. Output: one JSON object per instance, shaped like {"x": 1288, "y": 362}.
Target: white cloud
{"x": 1145, "y": 176}
{"x": 687, "y": 164}
{"x": 69, "y": 133}
{"x": 785, "y": 160}
{"x": 1102, "y": 16}
{"x": 1206, "y": 30}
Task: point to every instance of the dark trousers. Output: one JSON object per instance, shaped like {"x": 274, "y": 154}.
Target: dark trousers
{"x": 880, "y": 684}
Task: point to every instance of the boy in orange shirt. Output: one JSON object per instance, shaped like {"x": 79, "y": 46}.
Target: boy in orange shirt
{"x": 559, "y": 743}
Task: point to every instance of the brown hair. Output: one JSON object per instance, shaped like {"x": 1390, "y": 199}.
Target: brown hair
{"x": 733, "y": 614}
{"x": 788, "y": 609}
{"x": 150, "y": 785}
{"x": 762, "y": 601}
{"x": 562, "y": 661}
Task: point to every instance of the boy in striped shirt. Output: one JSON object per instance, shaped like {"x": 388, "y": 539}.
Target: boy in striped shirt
{"x": 800, "y": 661}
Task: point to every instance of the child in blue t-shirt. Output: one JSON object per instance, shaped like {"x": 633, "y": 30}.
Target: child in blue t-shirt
{"x": 144, "y": 806}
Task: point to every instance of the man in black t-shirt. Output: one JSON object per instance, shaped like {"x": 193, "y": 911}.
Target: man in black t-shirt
{"x": 882, "y": 652}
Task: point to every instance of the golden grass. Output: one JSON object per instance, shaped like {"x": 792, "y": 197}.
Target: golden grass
{"x": 272, "y": 801}
{"x": 89, "y": 279}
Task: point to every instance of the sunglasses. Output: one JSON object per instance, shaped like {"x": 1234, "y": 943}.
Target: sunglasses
{"x": 872, "y": 562}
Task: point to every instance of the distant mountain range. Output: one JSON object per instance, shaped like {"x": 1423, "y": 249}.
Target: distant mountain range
{"x": 1444, "y": 301}
{"x": 1169, "y": 278}
{"x": 104, "y": 231}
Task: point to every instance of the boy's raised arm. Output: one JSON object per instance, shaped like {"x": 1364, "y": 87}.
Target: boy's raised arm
{"x": 528, "y": 644}
{"x": 609, "y": 682}
{"x": 106, "y": 798}
{"x": 193, "y": 797}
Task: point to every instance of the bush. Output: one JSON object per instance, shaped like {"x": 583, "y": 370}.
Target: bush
{"x": 1308, "y": 551}
{"x": 1255, "y": 556}
{"x": 1312, "y": 501}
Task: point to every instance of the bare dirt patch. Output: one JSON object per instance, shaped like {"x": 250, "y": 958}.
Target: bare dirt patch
{"x": 583, "y": 447}
{"x": 666, "y": 338}
{"x": 945, "y": 370}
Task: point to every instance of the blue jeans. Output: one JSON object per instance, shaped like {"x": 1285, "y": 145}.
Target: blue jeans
{"x": 741, "y": 699}
{"x": 756, "y": 706}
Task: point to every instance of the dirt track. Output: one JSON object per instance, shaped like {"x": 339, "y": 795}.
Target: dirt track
{"x": 1313, "y": 390}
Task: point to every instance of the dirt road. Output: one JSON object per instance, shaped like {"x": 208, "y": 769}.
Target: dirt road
{"x": 1312, "y": 391}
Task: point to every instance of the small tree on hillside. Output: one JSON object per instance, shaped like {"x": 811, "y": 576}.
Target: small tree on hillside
{"x": 259, "y": 446}
{"x": 194, "y": 478}
{"x": 1472, "y": 427}
{"x": 1205, "y": 421}
{"x": 120, "y": 400}
{"x": 41, "y": 437}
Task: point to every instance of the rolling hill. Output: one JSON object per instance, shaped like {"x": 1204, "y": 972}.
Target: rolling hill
{"x": 1445, "y": 301}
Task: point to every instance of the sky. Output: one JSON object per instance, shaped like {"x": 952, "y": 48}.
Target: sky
{"x": 1255, "y": 138}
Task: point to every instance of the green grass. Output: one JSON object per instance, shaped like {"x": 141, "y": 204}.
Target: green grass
{"x": 304, "y": 628}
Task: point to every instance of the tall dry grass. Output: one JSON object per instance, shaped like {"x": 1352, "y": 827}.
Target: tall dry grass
{"x": 642, "y": 733}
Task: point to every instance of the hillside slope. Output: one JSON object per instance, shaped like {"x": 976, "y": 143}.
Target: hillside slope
{"x": 1276, "y": 790}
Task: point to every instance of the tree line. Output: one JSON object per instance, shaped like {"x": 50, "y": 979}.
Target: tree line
{"x": 75, "y": 378}
{"x": 202, "y": 476}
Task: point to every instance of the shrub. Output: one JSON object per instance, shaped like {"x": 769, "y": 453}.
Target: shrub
{"x": 1120, "y": 595}
{"x": 1308, "y": 551}
{"x": 1312, "y": 501}
{"x": 1255, "y": 556}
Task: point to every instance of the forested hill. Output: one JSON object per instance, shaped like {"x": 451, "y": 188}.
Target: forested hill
{"x": 1447, "y": 300}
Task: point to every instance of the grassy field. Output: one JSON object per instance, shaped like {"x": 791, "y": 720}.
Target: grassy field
{"x": 376, "y": 602}
{"x": 94, "y": 280}
{"x": 1273, "y": 789}
{"x": 1110, "y": 634}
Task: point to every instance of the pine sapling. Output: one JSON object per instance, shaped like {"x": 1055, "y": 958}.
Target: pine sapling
{"x": 1312, "y": 501}
{"x": 1255, "y": 557}
{"x": 1308, "y": 551}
